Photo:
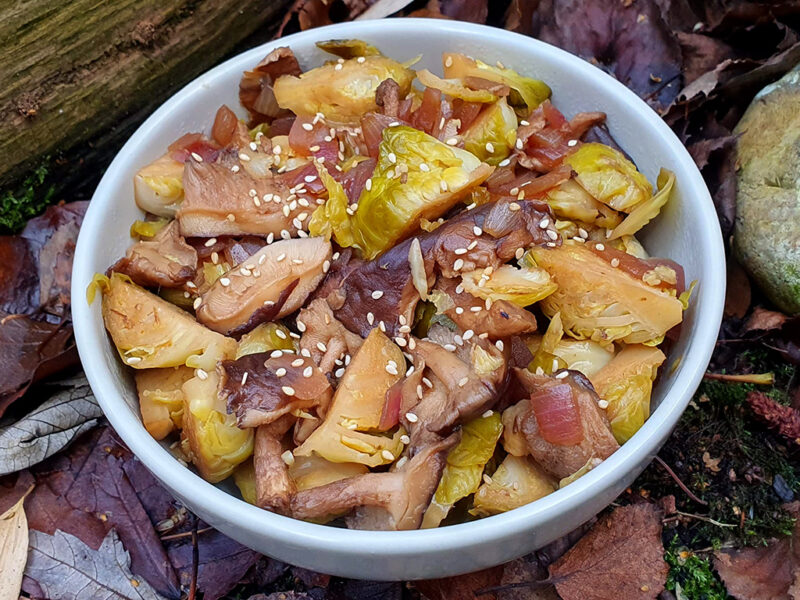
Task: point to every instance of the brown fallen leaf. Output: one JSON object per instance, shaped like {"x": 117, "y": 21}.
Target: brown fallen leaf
{"x": 13, "y": 550}
{"x": 526, "y": 570}
{"x": 712, "y": 464}
{"x": 461, "y": 586}
{"x": 737, "y": 292}
{"x": 621, "y": 557}
{"x": 475, "y": 11}
{"x": 785, "y": 419}
{"x": 764, "y": 319}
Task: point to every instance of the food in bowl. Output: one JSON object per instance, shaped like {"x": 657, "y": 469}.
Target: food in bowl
{"x": 393, "y": 300}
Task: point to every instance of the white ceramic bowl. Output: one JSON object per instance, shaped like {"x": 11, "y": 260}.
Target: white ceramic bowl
{"x": 687, "y": 232}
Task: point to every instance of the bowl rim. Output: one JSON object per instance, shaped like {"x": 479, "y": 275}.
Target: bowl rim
{"x": 207, "y": 497}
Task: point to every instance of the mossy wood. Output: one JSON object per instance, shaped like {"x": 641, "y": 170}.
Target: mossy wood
{"x": 79, "y": 75}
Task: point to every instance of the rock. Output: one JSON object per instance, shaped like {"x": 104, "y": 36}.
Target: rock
{"x": 767, "y": 230}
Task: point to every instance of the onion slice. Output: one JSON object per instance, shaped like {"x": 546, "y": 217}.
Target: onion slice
{"x": 557, "y": 415}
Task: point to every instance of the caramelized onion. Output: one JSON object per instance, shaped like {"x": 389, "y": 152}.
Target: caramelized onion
{"x": 557, "y": 415}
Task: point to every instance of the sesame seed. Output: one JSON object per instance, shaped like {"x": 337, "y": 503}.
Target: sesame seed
{"x": 475, "y": 309}
{"x": 210, "y": 242}
{"x": 134, "y": 360}
{"x": 452, "y": 141}
{"x": 459, "y": 288}
{"x": 477, "y": 230}
{"x": 224, "y": 281}
{"x": 197, "y": 157}
{"x": 427, "y": 382}
{"x": 339, "y": 372}
{"x": 450, "y": 347}
{"x": 463, "y": 381}
{"x": 443, "y": 185}
{"x": 391, "y": 369}
{"x": 298, "y": 362}
{"x": 308, "y": 371}
{"x": 600, "y": 247}
{"x": 460, "y": 251}
{"x": 459, "y": 310}
{"x": 280, "y": 372}
{"x": 518, "y": 144}
{"x": 411, "y": 417}
{"x": 458, "y": 340}
{"x": 487, "y": 414}
{"x": 214, "y": 257}
{"x": 360, "y": 59}
{"x": 539, "y": 371}
{"x": 608, "y": 233}
{"x": 552, "y": 234}
{"x": 322, "y": 347}
{"x": 377, "y": 294}
{"x": 519, "y": 253}
{"x": 572, "y": 143}
{"x": 614, "y": 262}
{"x": 338, "y": 67}
{"x": 235, "y": 168}
{"x": 411, "y": 344}
{"x": 326, "y": 266}
{"x": 309, "y": 178}
{"x": 244, "y": 377}
{"x": 305, "y": 352}
{"x": 244, "y": 157}
{"x": 576, "y": 239}
{"x": 582, "y": 232}
{"x": 288, "y": 390}
{"x": 562, "y": 375}
{"x": 458, "y": 264}
{"x": 387, "y": 455}
{"x": 400, "y": 342}
{"x": 468, "y": 334}
{"x": 487, "y": 479}
{"x": 276, "y": 149}
{"x": 514, "y": 207}
{"x": 410, "y": 371}
{"x": 314, "y": 148}
{"x": 544, "y": 223}
{"x": 286, "y": 210}
{"x": 603, "y": 404}
{"x": 370, "y": 318}
{"x": 392, "y": 157}
{"x": 504, "y": 163}
{"x": 231, "y": 217}
{"x": 419, "y": 391}
{"x": 288, "y": 457}
{"x": 197, "y": 302}
{"x": 382, "y": 326}
{"x": 490, "y": 147}
{"x": 297, "y": 223}
{"x": 253, "y": 146}
{"x": 424, "y": 167}
{"x": 276, "y": 354}
{"x": 448, "y": 62}
{"x": 499, "y": 344}
{"x": 472, "y": 245}
{"x": 200, "y": 374}
{"x": 308, "y": 126}
{"x": 404, "y": 329}
{"x": 404, "y": 439}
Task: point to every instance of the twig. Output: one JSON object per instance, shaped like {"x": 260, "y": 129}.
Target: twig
{"x": 177, "y": 536}
{"x": 195, "y": 561}
{"x": 706, "y": 519}
{"x": 680, "y": 483}
{"x": 758, "y": 378}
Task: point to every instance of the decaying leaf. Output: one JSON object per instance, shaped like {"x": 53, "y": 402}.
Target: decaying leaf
{"x": 50, "y": 428}
{"x": 530, "y": 571}
{"x": 461, "y": 586}
{"x": 737, "y": 291}
{"x": 621, "y": 557}
{"x": 65, "y": 568}
{"x": 763, "y": 319}
{"x": 13, "y": 550}
{"x": 784, "y": 419}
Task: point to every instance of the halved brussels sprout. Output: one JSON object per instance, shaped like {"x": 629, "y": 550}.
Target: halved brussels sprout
{"x": 522, "y": 286}
{"x": 158, "y": 187}
{"x": 161, "y": 399}
{"x": 526, "y": 93}
{"x": 545, "y": 357}
{"x": 350, "y": 48}
{"x": 332, "y": 219}
{"x": 210, "y": 435}
{"x": 648, "y": 210}
{"x": 454, "y": 88}
{"x": 245, "y": 479}
{"x": 147, "y": 229}
{"x": 417, "y": 177}
{"x": 150, "y": 332}
{"x": 570, "y": 201}
{"x": 342, "y": 92}
{"x": 348, "y": 432}
{"x": 610, "y": 177}
{"x": 516, "y": 482}
{"x": 600, "y": 302}
{"x": 491, "y": 137}
{"x": 265, "y": 338}
{"x": 626, "y": 383}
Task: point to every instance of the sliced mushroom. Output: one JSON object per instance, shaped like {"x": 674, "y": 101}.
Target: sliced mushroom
{"x": 165, "y": 261}
{"x": 404, "y": 494}
{"x": 274, "y": 486}
{"x": 272, "y": 283}
{"x": 578, "y": 431}
{"x": 324, "y": 337}
{"x": 255, "y": 87}
{"x": 486, "y": 236}
{"x": 223, "y": 198}
{"x": 260, "y": 389}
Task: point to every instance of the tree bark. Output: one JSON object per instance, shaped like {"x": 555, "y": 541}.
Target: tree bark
{"x": 78, "y": 75}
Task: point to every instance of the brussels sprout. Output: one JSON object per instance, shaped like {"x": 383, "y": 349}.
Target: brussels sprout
{"x": 150, "y": 332}
{"x": 345, "y": 434}
{"x": 158, "y": 187}
{"x": 570, "y": 201}
{"x": 648, "y": 210}
{"x": 585, "y": 356}
{"x": 545, "y": 357}
{"x": 513, "y": 438}
{"x": 342, "y": 92}
{"x": 455, "y": 88}
{"x": 626, "y": 383}
{"x": 610, "y": 177}
{"x": 161, "y": 399}
{"x": 416, "y": 177}
{"x": 492, "y": 135}
{"x": 265, "y": 338}
{"x": 245, "y": 479}
{"x": 313, "y": 471}
{"x": 348, "y": 48}
{"x": 212, "y": 439}
{"x": 604, "y": 303}
{"x": 526, "y": 93}
{"x": 332, "y": 218}
{"x": 147, "y": 229}
{"x": 516, "y": 482}
{"x": 590, "y": 464}
{"x": 523, "y": 286}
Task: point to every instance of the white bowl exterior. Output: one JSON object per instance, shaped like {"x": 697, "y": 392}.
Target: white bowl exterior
{"x": 687, "y": 231}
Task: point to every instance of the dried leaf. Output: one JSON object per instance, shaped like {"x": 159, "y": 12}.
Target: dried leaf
{"x": 763, "y": 319}
{"x": 461, "y": 586}
{"x": 50, "y": 428}
{"x": 13, "y": 550}
{"x": 373, "y": 590}
{"x": 737, "y": 291}
{"x": 475, "y": 11}
{"x": 526, "y": 570}
{"x": 785, "y": 419}
{"x": 65, "y": 568}
{"x": 621, "y": 557}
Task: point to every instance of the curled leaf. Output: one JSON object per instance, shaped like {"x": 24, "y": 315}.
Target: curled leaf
{"x": 13, "y": 550}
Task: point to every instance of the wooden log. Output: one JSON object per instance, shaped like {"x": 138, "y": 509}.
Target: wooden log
{"x": 78, "y": 75}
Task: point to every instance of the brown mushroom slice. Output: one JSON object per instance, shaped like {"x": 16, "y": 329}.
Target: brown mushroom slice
{"x": 255, "y": 87}
{"x": 324, "y": 337}
{"x": 274, "y": 487}
{"x": 563, "y": 425}
{"x": 223, "y": 198}
{"x": 404, "y": 494}
{"x": 161, "y": 399}
{"x": 258, "y": 290}
{"x": 486, "y": 236}
{"x": 164, "y": 261}
{"x": 260, "y": 389}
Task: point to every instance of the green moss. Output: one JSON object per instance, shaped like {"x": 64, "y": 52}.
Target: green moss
{"x": 691, "y": 576}
{"x": 30, "y": 199}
